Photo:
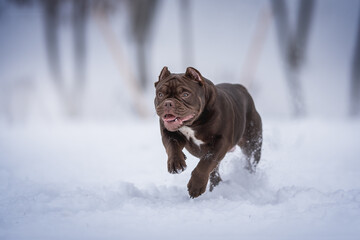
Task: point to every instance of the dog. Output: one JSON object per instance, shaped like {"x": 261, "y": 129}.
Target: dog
{"x": 209, "y": 121}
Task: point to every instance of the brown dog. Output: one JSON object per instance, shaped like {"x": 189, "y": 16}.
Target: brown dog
{"x": 208, "y": 121}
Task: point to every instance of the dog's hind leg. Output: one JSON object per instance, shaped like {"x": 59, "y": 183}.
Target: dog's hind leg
{"x": 251, "y": 141}
{"x": 215, "y": 178}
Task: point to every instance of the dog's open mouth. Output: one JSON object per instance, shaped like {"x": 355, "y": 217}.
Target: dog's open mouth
{"x": 173, "y": 122}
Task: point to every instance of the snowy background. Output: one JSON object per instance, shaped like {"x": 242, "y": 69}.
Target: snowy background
{"x": 102, "y": 174}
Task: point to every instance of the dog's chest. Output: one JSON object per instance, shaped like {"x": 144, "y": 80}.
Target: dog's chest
{"x": 190, "y": 134}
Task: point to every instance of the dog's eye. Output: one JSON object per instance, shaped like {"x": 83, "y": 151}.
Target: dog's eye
{"x": 160, "y": 95}
{"x": 185, "y": 94}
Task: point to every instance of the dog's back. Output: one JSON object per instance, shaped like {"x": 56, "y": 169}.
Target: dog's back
{"x": 249, "y": 125}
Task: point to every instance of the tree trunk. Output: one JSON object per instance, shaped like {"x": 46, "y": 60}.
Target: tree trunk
{"x": 186, "y": 33}
{"x": 51, "y": 21}
{"x": 355, "y": 77}
{"x": 293, "y": 47}
{"x": 142, "y": 13}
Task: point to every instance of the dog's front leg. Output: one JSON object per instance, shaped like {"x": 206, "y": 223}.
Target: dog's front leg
{"x": 200, "y": 175}
{"x": 174, "y": 144}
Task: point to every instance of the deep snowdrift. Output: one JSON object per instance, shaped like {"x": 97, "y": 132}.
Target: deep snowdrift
{"x": 88, "y": 181}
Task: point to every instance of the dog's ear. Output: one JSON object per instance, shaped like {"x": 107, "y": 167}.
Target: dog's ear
{"x": 194, "y": 74}
{"x": 163, "y": 74}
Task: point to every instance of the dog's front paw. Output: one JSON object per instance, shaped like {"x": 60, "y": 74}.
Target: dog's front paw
{"x": 177, "y": 164}
{"x": 197, "y": 184}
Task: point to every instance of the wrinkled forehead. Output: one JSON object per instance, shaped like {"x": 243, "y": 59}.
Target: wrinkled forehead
{"x": 175, "y": 81}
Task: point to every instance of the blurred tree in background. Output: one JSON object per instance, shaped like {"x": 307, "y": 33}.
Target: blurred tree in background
{"x": 142, "y": 15}
{"x": 186, "y": 33}
{"x": 292, "y": 44}
{"x": 355, "y": 76}
{"x": 71, "y": 97}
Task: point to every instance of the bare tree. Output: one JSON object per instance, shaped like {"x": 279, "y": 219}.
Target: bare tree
{"x": 101, "y": 17}
{"x": 142, "y": 15}
{"x": 255, "y": 49}
{"x": 186, "y": 33}
{"x": 355, "y": 77}
{"x": 72, "y": 97}
{"x": 80, "y": 12}
{"x": 293, "y": 46}
{"x": 51, "y": 21}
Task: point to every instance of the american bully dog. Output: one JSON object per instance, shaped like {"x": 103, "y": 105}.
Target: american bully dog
{"x": 209, "y": 121}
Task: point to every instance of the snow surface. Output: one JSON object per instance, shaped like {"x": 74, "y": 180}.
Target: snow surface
{"x": 109, "y": 181}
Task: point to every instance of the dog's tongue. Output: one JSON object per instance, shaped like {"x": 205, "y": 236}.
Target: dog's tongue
{"x": 172, "y": 123}
{"x": 169, "y": 117}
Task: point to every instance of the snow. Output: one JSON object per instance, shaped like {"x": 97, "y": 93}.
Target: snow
{"x": 79, "y": 180}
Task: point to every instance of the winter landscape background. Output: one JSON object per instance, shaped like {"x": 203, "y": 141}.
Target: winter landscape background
{"x": 80, "y": 149}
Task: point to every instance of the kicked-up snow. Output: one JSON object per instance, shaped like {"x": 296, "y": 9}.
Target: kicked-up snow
{"x": 91, "y": 181}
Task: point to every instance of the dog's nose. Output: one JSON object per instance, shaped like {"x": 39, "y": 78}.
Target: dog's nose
{"x": 168, "y": 104}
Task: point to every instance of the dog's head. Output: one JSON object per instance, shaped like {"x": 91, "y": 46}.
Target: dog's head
{"x": 181, "y": 98}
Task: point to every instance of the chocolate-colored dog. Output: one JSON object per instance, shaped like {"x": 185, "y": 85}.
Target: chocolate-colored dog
{"x": 208, "y": 121}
